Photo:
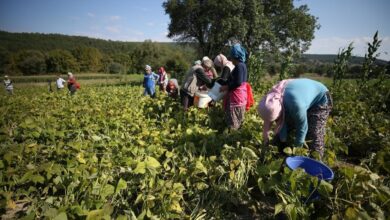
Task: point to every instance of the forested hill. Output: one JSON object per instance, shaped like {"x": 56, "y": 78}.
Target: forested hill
{"x": 45, "y": 42}
{"x": 14, "y": 42}
{"x": 330, "y": 58}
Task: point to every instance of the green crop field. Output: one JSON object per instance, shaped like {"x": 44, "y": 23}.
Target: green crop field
{"x": 110, "y": 153}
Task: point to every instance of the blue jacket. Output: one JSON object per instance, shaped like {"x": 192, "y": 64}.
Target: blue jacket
{"x": 299, "y": 96}
{"x": 149, "y": 80}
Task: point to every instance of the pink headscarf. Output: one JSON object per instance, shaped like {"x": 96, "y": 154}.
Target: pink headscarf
{"x": 271, "y": 108}
{"x": 222, "y": 61}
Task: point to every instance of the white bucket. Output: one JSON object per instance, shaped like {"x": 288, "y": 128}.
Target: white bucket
{"x": 201, "y": 99}
{"x": 215, "y": 94}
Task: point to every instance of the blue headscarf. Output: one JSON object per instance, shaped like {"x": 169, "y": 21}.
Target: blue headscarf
{"x": 238, "y": 52}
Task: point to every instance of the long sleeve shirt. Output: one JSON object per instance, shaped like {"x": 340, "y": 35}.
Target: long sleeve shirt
{"x": 203, "y": 78}
{"x": 238, "y": 76}
{"x": 149, "y": 80}
{"x": 299, "y": 96}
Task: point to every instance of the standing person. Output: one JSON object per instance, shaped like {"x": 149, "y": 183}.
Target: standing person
{"x": 235, "y": 101}
{"x": 226, "y": 66}
{"x": 211, "y": 73}
{"x": 195, "y": 78}
{"x": 149, "y": 81}
{"x": 60, "y": 82}
{"x": 9, "y": 87}
{"x": 300, "y": 104}
{"x": 73, "y": 85}
{"x": 163, "y": 79}
{"x": 49, "y": 85}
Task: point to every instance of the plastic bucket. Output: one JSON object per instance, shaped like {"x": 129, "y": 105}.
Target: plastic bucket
{"x": 201, "y": 99}
{"x": 215, "y": 94}
{"x": 311, "y": 166}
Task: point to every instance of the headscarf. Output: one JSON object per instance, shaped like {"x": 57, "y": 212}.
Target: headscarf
{"x": 222, "y": 61}
{"x": 207, "y": 63}
{"x": 271, "y": 108}
{"x": 147, "y": 67}
{"x": 238, "y": 52}
{"x": 197, "y": 62}
{"x": 161, "y": 70}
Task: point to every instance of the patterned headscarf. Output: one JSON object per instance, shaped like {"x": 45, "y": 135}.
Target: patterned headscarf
{"x": 271, "y": 108}
{"x": 222, "y": 61}
{"x": 238, "y": 52}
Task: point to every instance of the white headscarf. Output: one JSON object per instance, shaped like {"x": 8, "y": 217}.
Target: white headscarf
{"x": 222, "y": 61}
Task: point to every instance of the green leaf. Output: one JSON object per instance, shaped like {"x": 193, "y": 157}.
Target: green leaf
{"x": 96, "y": 138}
{"x": 200, "y": 168}
{"x": 140, "y": 169}
{"x": 107, "y": 191}
{"x": 38, "y": 179}
{"x": 151, "y": 162}
{"x": 288, "y": 150}
{"x": 95, "y": 214}
{"x": 278, "y": 208}
{"x": 351, "y": 213}
{"x": 325, "y": 188}
{"x": 61, "y": 216}
{"x": 122, "y": 184}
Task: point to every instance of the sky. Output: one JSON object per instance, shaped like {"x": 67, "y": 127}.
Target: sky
{"x": 342, "y": 21}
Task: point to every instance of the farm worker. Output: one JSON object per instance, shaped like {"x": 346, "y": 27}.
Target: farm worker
{"x": 226, "y": 66}
{"x": 173, "y": 88}
{"x": 49, "y": 85}
{"x": 302, "y": 104}
{"x": 60, "y": 82}
{"x": 9, "y": 87}
{"x": 194, "y": 79}
{"x": 73, "y": 85}
{"x": 163, "y": 79}
{"x": 211, "y": 73}
{"x": 149, "y": 81}
{"x": 235, "y": 101}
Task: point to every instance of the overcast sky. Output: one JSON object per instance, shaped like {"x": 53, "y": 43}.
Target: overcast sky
{"x": 342, "y": 21}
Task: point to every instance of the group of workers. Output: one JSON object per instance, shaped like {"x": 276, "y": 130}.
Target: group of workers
{"x": 72, "y": 84}
{"x": 293, "y": 105}
{"x": 300, "y": 105}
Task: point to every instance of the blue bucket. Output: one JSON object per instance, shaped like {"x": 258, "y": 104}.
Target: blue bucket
{"x": 311, "y": 166}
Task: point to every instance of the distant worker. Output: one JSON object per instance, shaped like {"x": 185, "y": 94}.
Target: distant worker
{"x": 9, "y": 87}
{"x": 149, "y": 81}
{"x": 163, "y": 79}
{"x": 173, "y": 88}
{"x": 73, "y": 85}
{"x": 60, "y": 82}
{"x": 194, "y": 80}
{"x": 226, "y": 66}
{"x": 211, "y": 73}
{"x": 49, "y": 85}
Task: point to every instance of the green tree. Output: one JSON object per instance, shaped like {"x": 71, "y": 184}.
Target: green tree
{"x": 213, "y": 24}
{"x": 30, "y": 62}
{"x": 89, "y": 58}
{"x": 147, "y": 53}
{"x": 61, "y": 61}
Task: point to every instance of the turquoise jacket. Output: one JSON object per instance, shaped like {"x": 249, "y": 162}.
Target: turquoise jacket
{"x": 299, "y": 96}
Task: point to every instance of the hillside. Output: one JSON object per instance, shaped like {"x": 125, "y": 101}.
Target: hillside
{"x": 330, "y": 58}
{"x": 13, "y": 42}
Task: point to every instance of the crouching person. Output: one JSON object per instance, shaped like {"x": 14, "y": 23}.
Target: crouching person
{"x": 300, "y": 104}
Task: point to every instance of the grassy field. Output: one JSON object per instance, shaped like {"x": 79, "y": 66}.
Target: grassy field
{"x": 85, "y": 79}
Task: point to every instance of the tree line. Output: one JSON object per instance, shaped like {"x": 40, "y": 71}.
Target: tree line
{"x": 33, "y": 53}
